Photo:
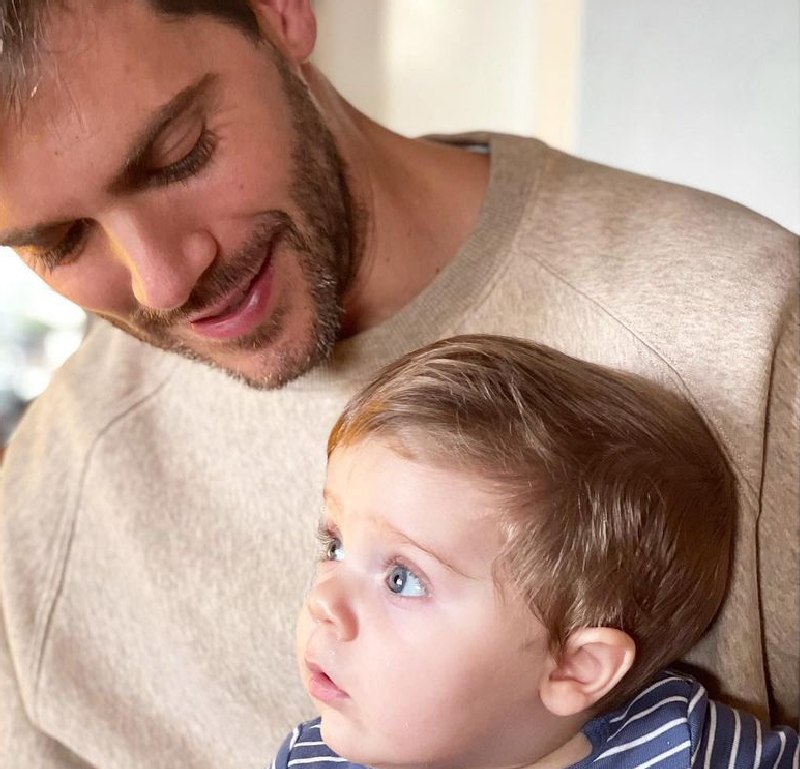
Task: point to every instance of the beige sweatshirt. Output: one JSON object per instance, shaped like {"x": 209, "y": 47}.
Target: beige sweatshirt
{"x": 157, "y": 519}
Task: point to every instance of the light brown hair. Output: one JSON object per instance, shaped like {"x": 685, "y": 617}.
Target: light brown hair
{"x": 618, "y": 504}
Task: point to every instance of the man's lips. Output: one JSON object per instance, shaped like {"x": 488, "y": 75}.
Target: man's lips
{"x": 321, "y": 686}
{"x": 240, "y": 312}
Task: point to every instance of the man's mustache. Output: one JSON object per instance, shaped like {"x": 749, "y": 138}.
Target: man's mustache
{"x": 221, "y": 278}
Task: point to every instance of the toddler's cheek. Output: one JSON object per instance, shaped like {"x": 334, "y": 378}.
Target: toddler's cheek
{"x": 303, "y": 631}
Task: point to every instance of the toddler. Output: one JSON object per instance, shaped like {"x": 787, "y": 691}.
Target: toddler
{"x": 514, "y": 546}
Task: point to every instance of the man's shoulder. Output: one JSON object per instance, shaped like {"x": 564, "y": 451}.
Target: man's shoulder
{"x": 645, "y": 214}
{"x": 110, "y": 368}
{"x": 671, "y": 265}
{"x": 108, "y": 374}
{"x": 609, "y": 201}
{"x": 106, "y": 377}
{"x": 617, "y": 239}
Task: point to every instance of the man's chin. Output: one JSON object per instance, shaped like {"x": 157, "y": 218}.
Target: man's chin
{"x": 265, "y": 369}
{"x": 262, "y": 361}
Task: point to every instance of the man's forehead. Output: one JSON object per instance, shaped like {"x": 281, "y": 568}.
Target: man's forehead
{"x": 50, "y": 30}
{"x": 101, "y": 51}
{"x": 95, "y": 57}
{"x": 104, "y": 72}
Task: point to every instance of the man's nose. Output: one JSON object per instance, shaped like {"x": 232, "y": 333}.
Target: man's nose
{"x": 331, "y": 603}
{"x": 164, "y": 256}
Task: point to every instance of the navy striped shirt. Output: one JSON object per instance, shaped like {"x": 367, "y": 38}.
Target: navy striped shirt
{"x": 670, "y": 724}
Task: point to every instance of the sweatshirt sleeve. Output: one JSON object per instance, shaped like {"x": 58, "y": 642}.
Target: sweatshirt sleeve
{"x": 778, "y": 533}
{"x": 22, "y": 744}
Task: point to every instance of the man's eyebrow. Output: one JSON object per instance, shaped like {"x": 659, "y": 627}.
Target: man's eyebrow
{"x": 40, "y": 234}
{"x": 30, "y": 236}
{"x": 128, "y": 175}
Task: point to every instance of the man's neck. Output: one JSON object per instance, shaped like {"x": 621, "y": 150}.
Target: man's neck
{"x": 421, "y": 199}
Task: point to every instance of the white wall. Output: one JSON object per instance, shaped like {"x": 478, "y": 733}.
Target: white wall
{"x": 705, "y": 92}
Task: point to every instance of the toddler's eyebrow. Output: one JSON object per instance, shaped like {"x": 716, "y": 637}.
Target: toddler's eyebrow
{"x": 403, "y": 537}
{"x": 332, "y": 500}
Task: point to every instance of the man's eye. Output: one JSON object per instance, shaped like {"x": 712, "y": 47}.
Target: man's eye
{"x": 403, "y": 582}
{"x": 200, "y": 154}
{"x": 66, "y": 251}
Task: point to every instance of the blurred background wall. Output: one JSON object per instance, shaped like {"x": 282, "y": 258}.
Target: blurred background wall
{"x": 702, "y": 92}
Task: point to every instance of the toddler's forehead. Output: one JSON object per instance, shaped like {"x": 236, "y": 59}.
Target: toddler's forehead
{"x": 422, "y": 460}
{"x": 375, "y": 479}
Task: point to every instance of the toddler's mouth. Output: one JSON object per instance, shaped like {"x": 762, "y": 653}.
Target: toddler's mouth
{"x": 321, "y": 686}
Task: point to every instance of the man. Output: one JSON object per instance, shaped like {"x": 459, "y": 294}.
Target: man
{"x": 179, "y": 169}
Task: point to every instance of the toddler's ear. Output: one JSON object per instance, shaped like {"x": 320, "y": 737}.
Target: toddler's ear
{"x": 593, "y": 663}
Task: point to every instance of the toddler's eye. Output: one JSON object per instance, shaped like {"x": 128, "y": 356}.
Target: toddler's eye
{"x": 333, "y": 550}
{"x": 329, "y": 545}
{"x": 403, "y": 582}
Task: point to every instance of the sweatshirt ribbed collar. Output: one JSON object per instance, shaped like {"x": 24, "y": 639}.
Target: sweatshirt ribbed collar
{"x": 461, "y": 285}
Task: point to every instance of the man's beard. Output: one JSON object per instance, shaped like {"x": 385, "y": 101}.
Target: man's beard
{"x": 327, "y": 242}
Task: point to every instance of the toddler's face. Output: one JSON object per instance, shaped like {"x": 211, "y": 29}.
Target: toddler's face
{"x": 405, "y": 645}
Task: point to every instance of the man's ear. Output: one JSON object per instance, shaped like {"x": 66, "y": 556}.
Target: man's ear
{"x": 593, "y": 663}
{"x": 290, "y": 24}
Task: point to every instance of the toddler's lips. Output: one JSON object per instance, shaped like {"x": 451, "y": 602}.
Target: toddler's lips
{"x": 322, "y": 687}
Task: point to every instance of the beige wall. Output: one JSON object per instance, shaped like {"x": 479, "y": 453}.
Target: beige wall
{"x": 422, "y": 66}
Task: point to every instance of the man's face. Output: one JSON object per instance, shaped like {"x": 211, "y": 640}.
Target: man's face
{"x": 175, "y": 177}
{"x": 404, "y": 643}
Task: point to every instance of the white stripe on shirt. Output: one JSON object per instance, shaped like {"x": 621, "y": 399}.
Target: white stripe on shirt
{"x": 737, "y": 733}
{"x": 648, "y": 712}
{"x": 641, "y": 694}
{"x": 642, "y": 740}
{"x": 712, "y": 732}
{"x": 757, "y": 760}
{"x": 661, "y": 756}
{"x": 783, "y": 747}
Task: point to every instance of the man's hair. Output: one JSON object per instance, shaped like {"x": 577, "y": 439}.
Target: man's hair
{"x": 23, "y": 25}
{"x": 617, "y": 504}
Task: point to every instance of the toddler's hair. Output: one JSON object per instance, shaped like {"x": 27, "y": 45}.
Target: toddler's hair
{"x": 617, "y": 504}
